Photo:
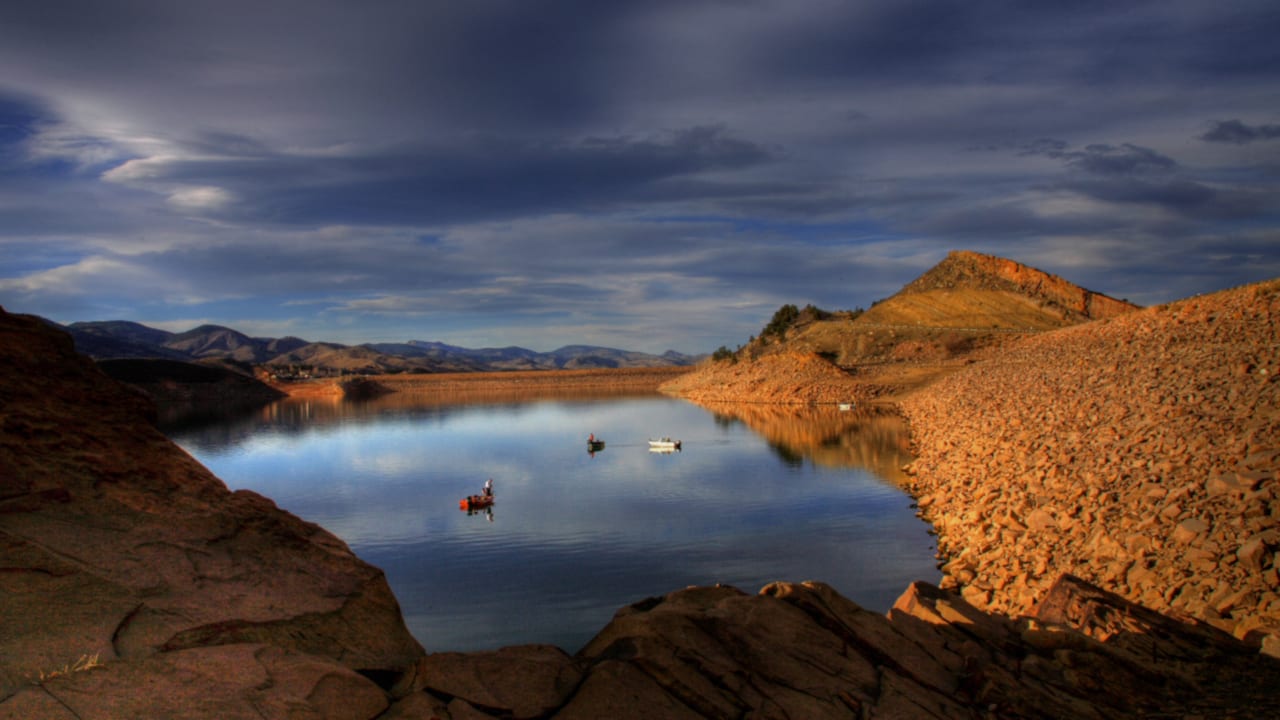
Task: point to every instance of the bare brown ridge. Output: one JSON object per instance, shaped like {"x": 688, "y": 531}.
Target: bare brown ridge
{"x": 965, "y": 306}
{"x": 964, "y": 270}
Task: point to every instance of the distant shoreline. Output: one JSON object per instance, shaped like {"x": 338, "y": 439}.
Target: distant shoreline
{"x": 520, "y": 382}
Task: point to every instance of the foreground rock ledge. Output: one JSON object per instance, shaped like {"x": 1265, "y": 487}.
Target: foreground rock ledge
{"x": 134, "y": 584}
{"x": 804, "y": 651}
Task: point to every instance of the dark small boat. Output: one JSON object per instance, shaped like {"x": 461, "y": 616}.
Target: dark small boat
{"x": 475, "y": 502}
{"x": 595, "y": 445}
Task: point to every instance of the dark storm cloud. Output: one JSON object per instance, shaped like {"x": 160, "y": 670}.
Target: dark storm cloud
{"x": 1127, "y": 159}
{"x": 1131, "y": 174}
{"x": 490, "y": 177}
{"x": 921, "y": 42}
{"x": 1102, "y": 159}
{"x": 1192, "y": 199}
{"x": 1238, "y": 133}
{"x": 620, "y": 163}
{"x": 482, "y": 62}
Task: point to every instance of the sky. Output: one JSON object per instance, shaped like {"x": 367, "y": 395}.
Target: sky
{"x": 651, "y": 175}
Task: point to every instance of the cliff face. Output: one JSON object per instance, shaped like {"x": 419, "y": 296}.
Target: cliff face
{"x": 118, "y": 549}
{"x": 1139, "y": 453}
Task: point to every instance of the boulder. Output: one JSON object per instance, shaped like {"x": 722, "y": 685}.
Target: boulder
{"x": 524, "y": 681}
{"x": 1189, "y": 530}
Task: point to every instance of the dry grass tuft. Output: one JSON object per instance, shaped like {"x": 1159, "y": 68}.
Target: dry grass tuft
{"x": 86, "y": 662}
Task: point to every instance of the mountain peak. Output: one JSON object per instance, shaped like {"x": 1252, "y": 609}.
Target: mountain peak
{"x": 965, "y": 270}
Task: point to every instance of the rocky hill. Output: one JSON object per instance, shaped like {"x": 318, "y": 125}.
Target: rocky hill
{"x": 969, "y": 289}
{"x": 213, "y": 341}
{"x": 122, "y": 339}
{"x": 966, "y": 305}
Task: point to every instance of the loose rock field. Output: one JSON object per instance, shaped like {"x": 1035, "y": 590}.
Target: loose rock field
{"x": 1139, "y": 453}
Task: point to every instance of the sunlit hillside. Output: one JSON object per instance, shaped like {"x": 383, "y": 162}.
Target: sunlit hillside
{"x": 966, "y": 302}
{"x": 965, "y": 305}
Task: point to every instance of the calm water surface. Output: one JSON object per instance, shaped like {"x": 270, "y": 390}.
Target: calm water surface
{"x": 573, "y": 537}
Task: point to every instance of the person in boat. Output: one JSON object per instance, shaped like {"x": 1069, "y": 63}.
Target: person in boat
{"x": 488, "y": 487}
{"x": 591, "y": 438}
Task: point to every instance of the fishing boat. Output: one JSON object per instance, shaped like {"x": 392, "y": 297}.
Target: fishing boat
{"x": 594, "y": 443}
{"x": 475, "y": 502}
{"x": 664, "y": 444}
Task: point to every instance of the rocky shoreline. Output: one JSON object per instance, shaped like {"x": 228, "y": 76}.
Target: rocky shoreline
{"x": 144, "y": 588}
{"x": 1139, "y": 453}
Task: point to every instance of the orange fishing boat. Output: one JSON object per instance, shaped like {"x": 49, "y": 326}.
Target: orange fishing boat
{"x": 475, "y": 502}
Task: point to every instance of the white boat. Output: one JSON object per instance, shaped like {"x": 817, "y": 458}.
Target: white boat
{"x": 664, "y": 444}
{"x": 845, "y": 407}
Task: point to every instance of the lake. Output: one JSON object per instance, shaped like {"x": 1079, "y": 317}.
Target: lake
{"x": 755, "y": 494}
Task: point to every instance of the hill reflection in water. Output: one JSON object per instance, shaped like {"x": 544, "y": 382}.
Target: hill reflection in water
{"x": 872, "y": 438}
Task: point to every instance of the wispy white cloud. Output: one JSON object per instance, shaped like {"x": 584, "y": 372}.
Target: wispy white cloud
{"x": 200, "y": 198}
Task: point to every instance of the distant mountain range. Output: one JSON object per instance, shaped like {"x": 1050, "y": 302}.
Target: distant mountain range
{"x": 122, "y": 339}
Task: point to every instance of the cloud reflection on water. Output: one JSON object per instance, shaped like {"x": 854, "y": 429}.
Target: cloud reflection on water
{"x": 574, "y": 537}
